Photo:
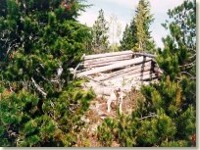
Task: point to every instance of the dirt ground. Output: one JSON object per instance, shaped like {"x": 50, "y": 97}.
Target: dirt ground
{"x": 98, "y": 112}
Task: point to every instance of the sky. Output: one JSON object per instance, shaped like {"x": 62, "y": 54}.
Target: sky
{"x": 123, "y": 11}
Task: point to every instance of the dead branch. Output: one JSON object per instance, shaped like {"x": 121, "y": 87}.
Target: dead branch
{"x": 187, "y": 73}
{"x": 152, "y": 115}
{"x": 38, "y": 88}
{"x": 188, "y": 65}
{"x": 59, "y": 72}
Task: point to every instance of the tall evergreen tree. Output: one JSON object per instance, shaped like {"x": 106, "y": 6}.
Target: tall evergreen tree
{"x": 137, "y": 36}
{"x": 143, "y": 20}
{"x": 39, "y": 41}
{"x": 129, "y": 38}
{"x": 99, "y": 42}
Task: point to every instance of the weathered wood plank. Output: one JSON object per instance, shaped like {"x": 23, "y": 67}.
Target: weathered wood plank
{"x": 125, "y": 63}
{"x": 95, "y": 56}
{"x": 122, "y": 72}
{"x": 143, "y": 54}
{"x": 145, "y": 76}
{"x": 106, "y": 59}
{"x": 137, "y": 71}
{"x": 131, "y": 77}
{"x": 136, "y": 75}
{"x": 148, "y": 77}
{"x": 102, "y": 64}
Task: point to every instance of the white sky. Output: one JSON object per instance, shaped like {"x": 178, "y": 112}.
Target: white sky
{"x": 124, "y": 10}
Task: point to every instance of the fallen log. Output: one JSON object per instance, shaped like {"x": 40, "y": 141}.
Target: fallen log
{"x": 140, "y": 76}
{"x": 143, "y": 54}
{"x": 107, "y": 55}
{"x": 106, "y": 60}
{"x": 130, "y": 70}
{"x": 125, "y": 63}
{"x": 149, "y": 77}
{"x": 136, "y": 77}
{"x": 102, "y": 64}
{"x": 138, "y": 71}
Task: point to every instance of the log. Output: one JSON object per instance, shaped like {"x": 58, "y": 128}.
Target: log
{"x": 139, "y": 75}
{"x": 146, "y": 76}
{"x": 129, "y": 70}
{"x": 125, "y": 63}
{"x": 127, "y": 82}
{"x": 107, "y": 55}
{"x": 137, "y": 71}
{"x": 106, "y": 59}
{"x": 149, "y": 77}
{"x": 143, "y": 54}
{"x": 102, "y": 64}
{"x": 136, "y": 76}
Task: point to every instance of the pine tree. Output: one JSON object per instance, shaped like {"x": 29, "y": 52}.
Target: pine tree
{"x": 99, "y": 42}
{"x": 143, "y": 20}
{"x": 129, "y": 38}
{"x": 176, "y": 91}
{"x": 137, "y": 35}
{"x": 181, "y": 43}
{"x": 178, "y": 58}
{"x": 166, "y": 115}
{"x": 39, "y": 41}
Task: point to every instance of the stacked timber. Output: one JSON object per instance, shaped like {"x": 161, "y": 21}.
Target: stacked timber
{"x": 98, "y": 60}
{"x": 124, "y": 69}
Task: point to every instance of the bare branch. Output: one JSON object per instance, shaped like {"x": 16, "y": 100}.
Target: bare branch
{"x": 74, "y": 71}
{"x": 39, "y": 88}
{"x": 152, "y": 115}
{"x": 187, "y": 73}
{"x": 193, "y": 57}
{"x": 59, "y": 72}
{"x": 188, "y": 65}
{"x": 37, "y": 70}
